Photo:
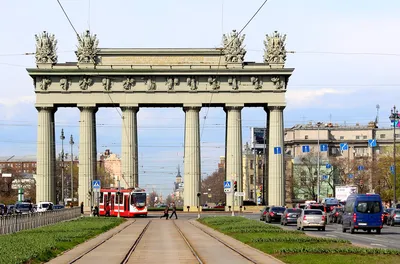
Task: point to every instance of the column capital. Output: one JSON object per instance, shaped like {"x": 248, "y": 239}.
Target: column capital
{"x": 45, "y": 108}
{"x": 85, "y": 107}
{"x": 274, "y": 108}
{"x": 188, "y": 108}
{"x": 129, "y": 107}
{"x": 233, "y": 108}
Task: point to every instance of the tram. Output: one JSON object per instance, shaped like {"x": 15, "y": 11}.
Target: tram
{"x": 127, "y": 202}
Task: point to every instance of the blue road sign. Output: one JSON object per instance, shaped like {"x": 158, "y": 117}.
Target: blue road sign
{"x": 324, "y": 177}
{"x": 305, "y": 148}
{"x": 351, "y": 176}
{"x": 323, "y": 147}
{"x": 344, "y": 146}
{"x": 392, "y": 169}
{"x": 277, "y": 150}
{"x": 227, "y": 185}
{"x": 360, "y": 168}
{"x": 371, "y": 143}
{"x": 328, "y": 166}
{"x": 96, "y": 184}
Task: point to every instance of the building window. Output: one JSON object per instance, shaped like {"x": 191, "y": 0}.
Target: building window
{"x": 306, "y": 137}
{"x": 397, "y": 135}
{"x": 357, "y": 137}
{"x": 383, "y": 136}
{"x": 251, "y": 164}
{"x": 364, "y": 137}
{"x": 341, "y": 137}
{"x": 251, "y": 179}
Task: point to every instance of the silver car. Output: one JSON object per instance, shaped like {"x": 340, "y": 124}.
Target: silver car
{"x": 311, "y": 218}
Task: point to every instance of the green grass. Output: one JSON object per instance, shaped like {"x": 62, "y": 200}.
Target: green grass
{"x": 295, "y": 246}
{"x": 42, "y": 244}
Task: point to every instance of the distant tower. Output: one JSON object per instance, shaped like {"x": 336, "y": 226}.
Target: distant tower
{"x": 178, "y": 176}
{"x": 377, "y": 115}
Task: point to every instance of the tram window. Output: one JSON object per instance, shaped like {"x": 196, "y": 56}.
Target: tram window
{"x": 119, "y": 198}
{"x": 108, "y": 197}
{"x": 101, "y": 198}
{"x": 138, "y": 199}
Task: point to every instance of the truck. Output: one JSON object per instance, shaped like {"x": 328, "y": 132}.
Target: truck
{"x": 342, "y": 192}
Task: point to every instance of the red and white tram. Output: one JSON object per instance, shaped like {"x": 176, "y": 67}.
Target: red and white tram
{"x": 129, "y": 203}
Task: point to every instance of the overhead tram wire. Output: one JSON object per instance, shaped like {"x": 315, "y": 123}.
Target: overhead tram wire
{"x": 69, "y": 20}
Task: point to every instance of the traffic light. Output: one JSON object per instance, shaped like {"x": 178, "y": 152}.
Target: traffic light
{"x": 235, "y": 186}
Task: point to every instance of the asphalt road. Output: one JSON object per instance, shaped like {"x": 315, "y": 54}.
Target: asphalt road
{"x": 389, "y": 238}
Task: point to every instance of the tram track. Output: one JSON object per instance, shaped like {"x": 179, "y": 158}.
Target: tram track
{"x": 225, "y": 244}
{"x": 188, "y": 244}
{"x": 99, "y": 244}
{"x": 135, "y": 244}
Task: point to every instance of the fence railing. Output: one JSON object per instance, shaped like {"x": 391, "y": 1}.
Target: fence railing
{"x": 14, "y": 223}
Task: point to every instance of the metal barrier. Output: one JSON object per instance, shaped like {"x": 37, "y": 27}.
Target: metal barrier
{"x": 14, "y": 223}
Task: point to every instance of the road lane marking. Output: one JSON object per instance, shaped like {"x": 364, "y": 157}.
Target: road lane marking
{"x": 330, "y": 235}
{"x": 378, "y": 245}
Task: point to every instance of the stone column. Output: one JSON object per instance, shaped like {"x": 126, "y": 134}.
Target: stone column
{"x": 87, "y": 154}
{"x": 233, "y": 153}
{"x": 129, "y": 151}
{"x": 276, "y": 173}
{"x": 45, "y": 164}
{"x": 192, "y": 170}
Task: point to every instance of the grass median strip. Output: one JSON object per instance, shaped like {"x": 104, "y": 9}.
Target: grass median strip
{"x": 295, "y": 246}
{"x": 44, "y": 243}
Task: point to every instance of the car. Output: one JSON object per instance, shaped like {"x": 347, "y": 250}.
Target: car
{"x": 264, "y": 212}
{"x": 394, "y": 218}
{"x": 22, "y": 208}
{"x": 335, "y": 216}
{"x": 10, "y": 209}
{"x": 58, "y": 207}
{"x": 363, "y": 212}
{"x": 274, "y": 214}
{"x": 290, "y": 216}
{"x": 315, "y": 206}
{"x": 44, "y": 206}
{"x": 311, "y": 218}
{"x": 2, "y": 206}
{"x": 386, "y": 214}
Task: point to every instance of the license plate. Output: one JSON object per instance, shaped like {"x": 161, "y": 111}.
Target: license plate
{"x": 362, "y": 224}
{"x": 279, "y": 214}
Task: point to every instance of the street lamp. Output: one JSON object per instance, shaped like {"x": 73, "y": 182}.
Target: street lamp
{"x": 62, "y": 137}
{"x": 394, "y": 118}
{"x": 318, "y": 171}
{"x": 71, "y": 142}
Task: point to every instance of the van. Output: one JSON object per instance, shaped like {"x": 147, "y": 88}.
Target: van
{"x": 363, "y": 211}
{"x": 44, "y": 206}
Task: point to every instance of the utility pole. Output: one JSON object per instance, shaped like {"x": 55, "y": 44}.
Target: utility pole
{"x": 255, "y": 174}
{"x": 71, "y": 142}
{"x": 62, "y": 137}
{"x": 318, "y": 167}
{"x": 248, "y": 171}
{"x": 119, "y": 193}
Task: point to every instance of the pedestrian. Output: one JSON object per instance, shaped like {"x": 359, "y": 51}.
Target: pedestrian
{"x": 81, "y": 207}
{"x": 108, "y": 209}
{"x": 173, "y": 211}
{"x": 165, "y": 213}
{"x": 30, "y": 208}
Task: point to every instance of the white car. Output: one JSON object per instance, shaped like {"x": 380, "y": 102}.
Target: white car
{"x": 44, "y": 206}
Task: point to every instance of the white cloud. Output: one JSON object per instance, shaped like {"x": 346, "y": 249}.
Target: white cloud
{"x": 306, "y": 97}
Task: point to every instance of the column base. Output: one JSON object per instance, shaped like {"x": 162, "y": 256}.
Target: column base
{"x": 192, "y": 209}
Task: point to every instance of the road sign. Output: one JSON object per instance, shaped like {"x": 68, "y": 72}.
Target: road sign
{"x": 227, "y": 184}
{"x": 392, "y": 169}
{"x": 344, "y": 146}
{"x": 323, "y": 147}
{"x": 351, "y": 176}
{"x": 96, "y": 184}
{"x": 360, "y": 168}
{"x": 324, "y": 177}
{"x": 371, "y": 143}
{"x": 239, "y": 193}
{"x": 305, "y": 148}
{"x": 277, "y": 150}
{"x": 328, "y": 166}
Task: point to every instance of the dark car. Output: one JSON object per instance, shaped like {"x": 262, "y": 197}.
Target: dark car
{"x": 335, "y": 216}
{"x": 2, "y": 206}
{"x": 386, "y": 214}
{"x": 274, "y": 214}
{"x": 264, "y": 212}
{"x": 58, "y": 207}
{"x": 10, "y": 209}
{"x": 394, "y": 217}
{"x": 22, "y": 208}
{"x": 290, "y": 216}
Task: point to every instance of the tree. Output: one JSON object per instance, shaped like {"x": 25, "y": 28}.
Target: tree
{"x": 213, "y": 185}
{"x": 305, "y": 177}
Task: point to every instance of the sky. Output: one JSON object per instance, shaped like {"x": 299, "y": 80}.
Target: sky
{"x": 345, "y": 55}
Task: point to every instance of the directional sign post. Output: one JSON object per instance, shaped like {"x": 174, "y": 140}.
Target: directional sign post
{"x": 277, "y": 150}
{"x": 344, "y": 146}
{"x": 360, "y": 168}
{"x": 227, "y": 186}
{"x": 305, "y": 148}
{"x": 371, "y": 143}
{"x": 323, "y": 147}
{"x": 324, "y": 177}
{"x": 351, "y": 176}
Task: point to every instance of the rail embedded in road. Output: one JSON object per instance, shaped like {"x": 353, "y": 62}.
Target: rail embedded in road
{"x": 188, "y": 244}
{"x": 135, "y": 244}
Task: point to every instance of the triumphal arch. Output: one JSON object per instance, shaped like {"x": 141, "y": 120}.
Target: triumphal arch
{"x": 135, "y": 78}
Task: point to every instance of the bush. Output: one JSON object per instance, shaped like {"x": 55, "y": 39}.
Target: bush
{"x": 349, "y": 250}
